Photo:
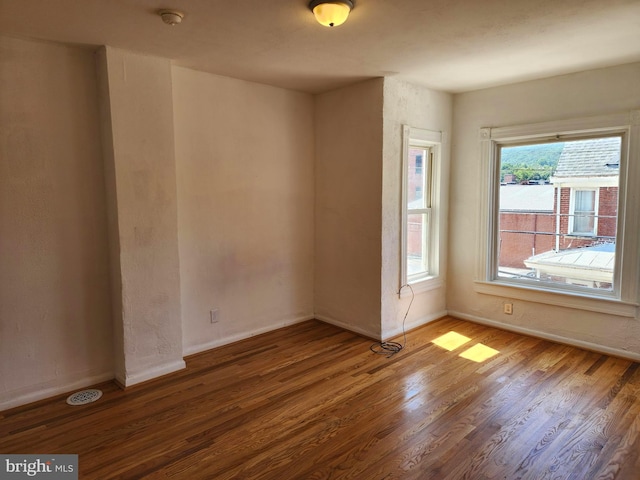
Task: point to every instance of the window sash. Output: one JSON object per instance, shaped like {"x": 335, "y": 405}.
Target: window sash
{"x": 418, "y": 243}
{"x": 582, "y": 215}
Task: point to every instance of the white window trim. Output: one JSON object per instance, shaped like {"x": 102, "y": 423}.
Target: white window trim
{"x": 429, "y": 139}
{"x": 623, "y": 301}
{"x": 572, "y": 211}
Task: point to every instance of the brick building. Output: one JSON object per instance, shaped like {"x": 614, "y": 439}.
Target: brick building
{"x": 527, "y": 223}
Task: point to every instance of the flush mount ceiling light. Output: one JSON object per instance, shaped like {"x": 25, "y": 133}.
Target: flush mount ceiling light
{"x": 171, "y": 17}
{"x": 331, "y": 13}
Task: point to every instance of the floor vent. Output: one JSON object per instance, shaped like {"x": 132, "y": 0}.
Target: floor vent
{"x": 83, "y": 397}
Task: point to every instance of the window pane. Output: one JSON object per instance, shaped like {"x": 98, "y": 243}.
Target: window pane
{"x": 416, "y": 178}
{"x": 417, "y": 228}
{"x": 551, "y": 228}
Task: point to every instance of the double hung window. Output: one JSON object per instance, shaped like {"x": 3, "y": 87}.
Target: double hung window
{"x": 583, "y": 220}
{"x": 420, "y": 200}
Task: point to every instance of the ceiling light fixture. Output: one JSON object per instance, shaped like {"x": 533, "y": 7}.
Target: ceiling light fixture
{"x": 331, "y": 13}
{"x": 171, "y": 17}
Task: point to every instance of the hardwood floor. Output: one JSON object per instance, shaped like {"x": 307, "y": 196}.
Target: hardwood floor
{"x": 312, "y": 401}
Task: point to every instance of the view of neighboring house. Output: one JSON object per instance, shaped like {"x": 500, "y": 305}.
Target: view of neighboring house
{"x": 587, "y": 176}
{"x": 565, "y": 231}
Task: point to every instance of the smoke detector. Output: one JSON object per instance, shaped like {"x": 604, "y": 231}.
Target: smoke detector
{"x": 171, "y": 17}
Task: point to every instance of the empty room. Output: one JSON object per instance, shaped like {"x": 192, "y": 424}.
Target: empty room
{"x": 293, "y": 239}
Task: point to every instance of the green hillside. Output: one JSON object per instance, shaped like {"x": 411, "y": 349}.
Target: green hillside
{"x": 530, "y": 162}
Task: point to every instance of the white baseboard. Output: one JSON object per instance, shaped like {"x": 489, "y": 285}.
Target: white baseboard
{"x": 156, "y": 371}
{"x": 47, "y": 390}
{"x": 418, "y": 322}
{"x": 203, "y": 347}
{"x": 594, "y": 347}
{"x": 347, "y": 326}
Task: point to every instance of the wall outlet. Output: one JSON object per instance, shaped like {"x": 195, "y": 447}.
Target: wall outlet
{"x": 508, "y": 308}
{"x": 213, "y": 314}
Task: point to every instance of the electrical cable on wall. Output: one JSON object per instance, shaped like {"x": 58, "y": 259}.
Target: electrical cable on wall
{"x": 391, "y": 348}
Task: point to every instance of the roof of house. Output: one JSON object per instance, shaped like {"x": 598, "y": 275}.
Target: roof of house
{"x": 589, "y": 158}
{"x": 588, "y": 263}
{"x": 529, "y": 198}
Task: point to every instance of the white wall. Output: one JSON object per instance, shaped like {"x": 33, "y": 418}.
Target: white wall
{"x": 55, "y": 324}
{"x": 141, "y": 178}
{"x": 348, "y": 218}
{"x": 244, "y": 156}
{"x": 358, "y": 194}
{"x": 594, "y": 92}
{"x": 418, "y": 107}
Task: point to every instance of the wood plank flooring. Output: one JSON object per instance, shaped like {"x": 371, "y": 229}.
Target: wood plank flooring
{"x": 312, "y": 401}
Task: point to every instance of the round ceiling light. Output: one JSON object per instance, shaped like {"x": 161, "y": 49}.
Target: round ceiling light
{"x": 331, "y": 13}
{"x": 171, "y": 17}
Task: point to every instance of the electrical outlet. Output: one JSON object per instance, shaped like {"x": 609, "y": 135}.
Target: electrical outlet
{"x": 508, "y": 308}
{"x": 214, "y": 315}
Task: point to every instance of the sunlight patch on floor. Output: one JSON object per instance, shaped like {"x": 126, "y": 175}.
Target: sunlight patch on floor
{"x": 453, "y": 340}
{"x": 450, "y": 341}
{"x": 479, "y": 353}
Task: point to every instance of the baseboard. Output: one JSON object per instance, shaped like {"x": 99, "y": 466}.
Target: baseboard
{"x": 418, "y": 322}
{"x": 594, "y": 347}
{"x": 45, "y": 391}
{"x": 347, "y": 326}
{"x": 203, "y": 347}
{"x": 134, "y": 378}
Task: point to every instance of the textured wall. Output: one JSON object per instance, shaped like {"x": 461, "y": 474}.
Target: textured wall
{"x": 141, "y": 174}
{"x": 348, "y": 218}
{"x": 594, "y": 92}
{"x": 244, "y": 156}
{"x": 418, "y": 107}
{"x": 55, "y": 326}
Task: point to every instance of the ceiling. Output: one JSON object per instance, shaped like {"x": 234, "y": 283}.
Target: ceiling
{"x": 448, "y": 45}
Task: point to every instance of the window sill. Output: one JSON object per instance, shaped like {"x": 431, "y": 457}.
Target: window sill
{"x": 610, "y": 306}
{"x": 577, "y": 235}
{"x": 421, "y": 286}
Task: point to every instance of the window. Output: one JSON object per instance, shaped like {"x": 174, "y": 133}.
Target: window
{"x": 563, "y": 227}
{"x": 583, "y": 212}
{"x": 419, "y": 231}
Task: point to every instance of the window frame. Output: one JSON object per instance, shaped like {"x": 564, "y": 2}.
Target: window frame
{"x": 431, "y": 168}
{"x": 623, "y": 300}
